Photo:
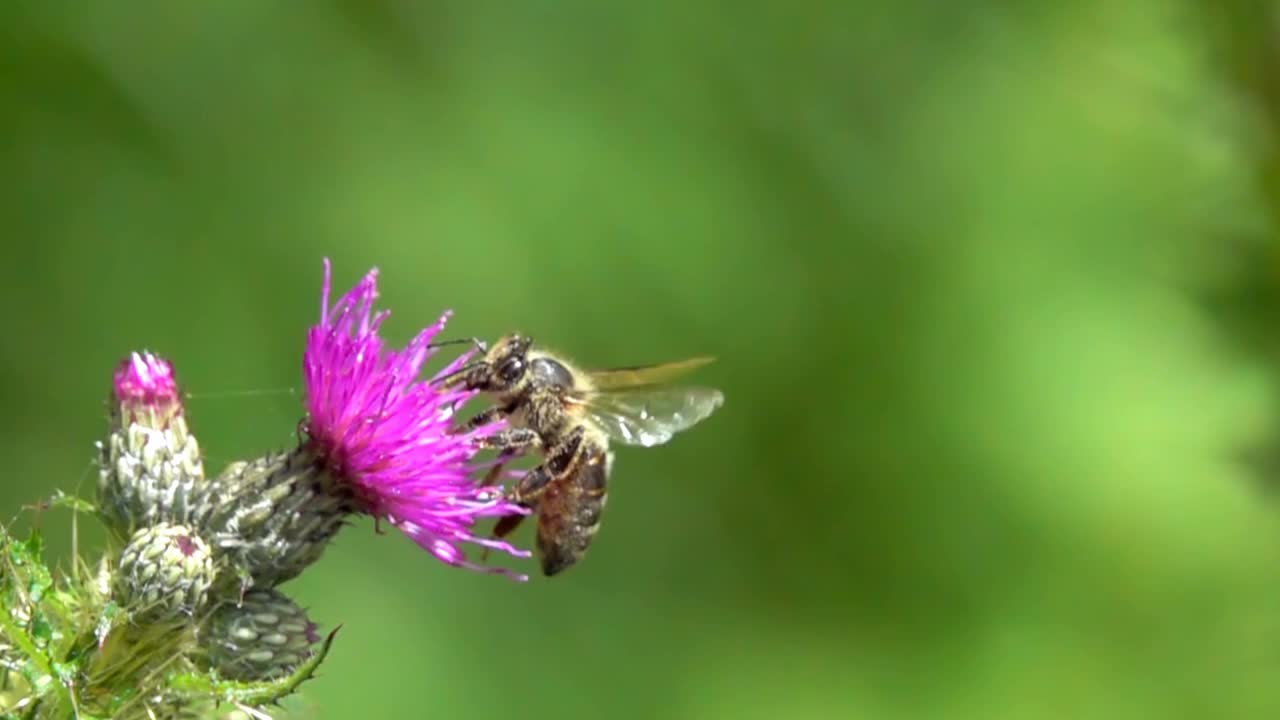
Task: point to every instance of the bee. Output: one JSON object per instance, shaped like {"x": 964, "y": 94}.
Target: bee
{"x": 569, "y": 416}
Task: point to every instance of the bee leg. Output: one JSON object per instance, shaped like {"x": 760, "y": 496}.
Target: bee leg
{"x": 483, "y": 417}
{"x": 560, "y": 460}
{"x": 499, "y": 464}
{"x": 506, "y": 525}
{"x": 531, "y": 486}
{"x": 513, "y": 439}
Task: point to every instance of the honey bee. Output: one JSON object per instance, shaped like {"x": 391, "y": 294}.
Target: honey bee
{"x": 570, "y": 416}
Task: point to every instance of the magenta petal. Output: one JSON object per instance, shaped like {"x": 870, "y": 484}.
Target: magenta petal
{"x": 145, "y": 379}
{"x": 389, "y": 435}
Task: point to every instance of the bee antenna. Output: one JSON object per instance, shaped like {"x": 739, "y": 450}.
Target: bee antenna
{"x": 480, "y": 344}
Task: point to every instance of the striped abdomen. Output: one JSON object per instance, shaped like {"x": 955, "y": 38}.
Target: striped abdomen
{"x": 569, "y": 511}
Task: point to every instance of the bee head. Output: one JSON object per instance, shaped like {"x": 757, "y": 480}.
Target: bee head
{"x": 504, "y": 367}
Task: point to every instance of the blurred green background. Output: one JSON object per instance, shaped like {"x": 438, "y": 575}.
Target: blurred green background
{"x": 992, "y": 290}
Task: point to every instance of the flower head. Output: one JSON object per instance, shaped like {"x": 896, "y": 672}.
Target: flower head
{"x": 149, "y": 465}
{"x": 165, "y": 572}
{"x": 145, "y": 390}
{"x": 389, "y": 437}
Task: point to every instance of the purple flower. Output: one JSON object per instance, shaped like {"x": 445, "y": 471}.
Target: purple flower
{"x": 145, "y": 390}
{"x": 390, "y": 438}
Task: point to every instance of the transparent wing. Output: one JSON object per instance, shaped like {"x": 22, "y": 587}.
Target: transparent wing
{"x": 650, "y": 416}
{"x": 630, "y": 377}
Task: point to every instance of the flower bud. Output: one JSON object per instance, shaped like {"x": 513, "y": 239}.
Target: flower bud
{"x": 149, "y": 465}
{"x": 272, "y": 517}
{"x": 164, "y": 573}
{"x": 265, "y": 637}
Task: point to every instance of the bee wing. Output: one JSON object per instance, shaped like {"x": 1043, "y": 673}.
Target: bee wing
{"x": 632, "y": 377}
{"x": 650, "y": 416}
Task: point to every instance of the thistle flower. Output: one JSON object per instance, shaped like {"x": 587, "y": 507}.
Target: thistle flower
{"x": 263, "y": 637}
{"x": 388, "y": 438}
{"x": 377, "y": 441}
{"x": 149, "y": 465}
{"x": 164, "y": 573}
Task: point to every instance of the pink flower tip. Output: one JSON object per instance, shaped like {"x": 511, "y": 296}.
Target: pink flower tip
{"x": 389, "y": 437}
{"x": 146, "y": 381}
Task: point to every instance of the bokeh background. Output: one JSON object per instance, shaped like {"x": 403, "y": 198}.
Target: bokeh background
{"x": 994, "y": 290}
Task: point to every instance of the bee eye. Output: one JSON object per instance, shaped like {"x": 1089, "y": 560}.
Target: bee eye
{"x": 511, "y": 369}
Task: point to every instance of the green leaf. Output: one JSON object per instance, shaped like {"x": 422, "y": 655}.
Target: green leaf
{"x": 23, "y": 642}
{"x": 41, "y": 631}
{"x": 120, "y": 699}
{"x": 40, "y": 682}
{"x": 25, "y": 556}
{"x": 63, "y": 598}
{"x": 66, "y": 672}
{"x": 21, "y": 554}
{"x": 195, "y": 686}
{"x": 34, "y": 547}
{"x": 61, "y": 499}
{"x": 29, "y": 574}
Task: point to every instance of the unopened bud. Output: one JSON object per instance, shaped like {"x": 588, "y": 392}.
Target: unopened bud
{"x": 272, "y": 517}
{"x": 164, "y": 573}
{"x": 149, "y": 465}
{"x": 265, "y": 637}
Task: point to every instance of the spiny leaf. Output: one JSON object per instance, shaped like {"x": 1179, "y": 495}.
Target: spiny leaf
{"x": 70, "y": 502}
{"x": 20, "y": 639}
{"x": 25, "y": 570}
{"x": 33, "y": 547}
{"x": 25, "y": 559}
{"x": 122, "y": 698}
{"x": 66, "y": 672}
{"x": 23, "y": 554}
{"x": 74, "y": 654}
{"x": 41, "y": 631}
{"x": 252, "y": 693}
